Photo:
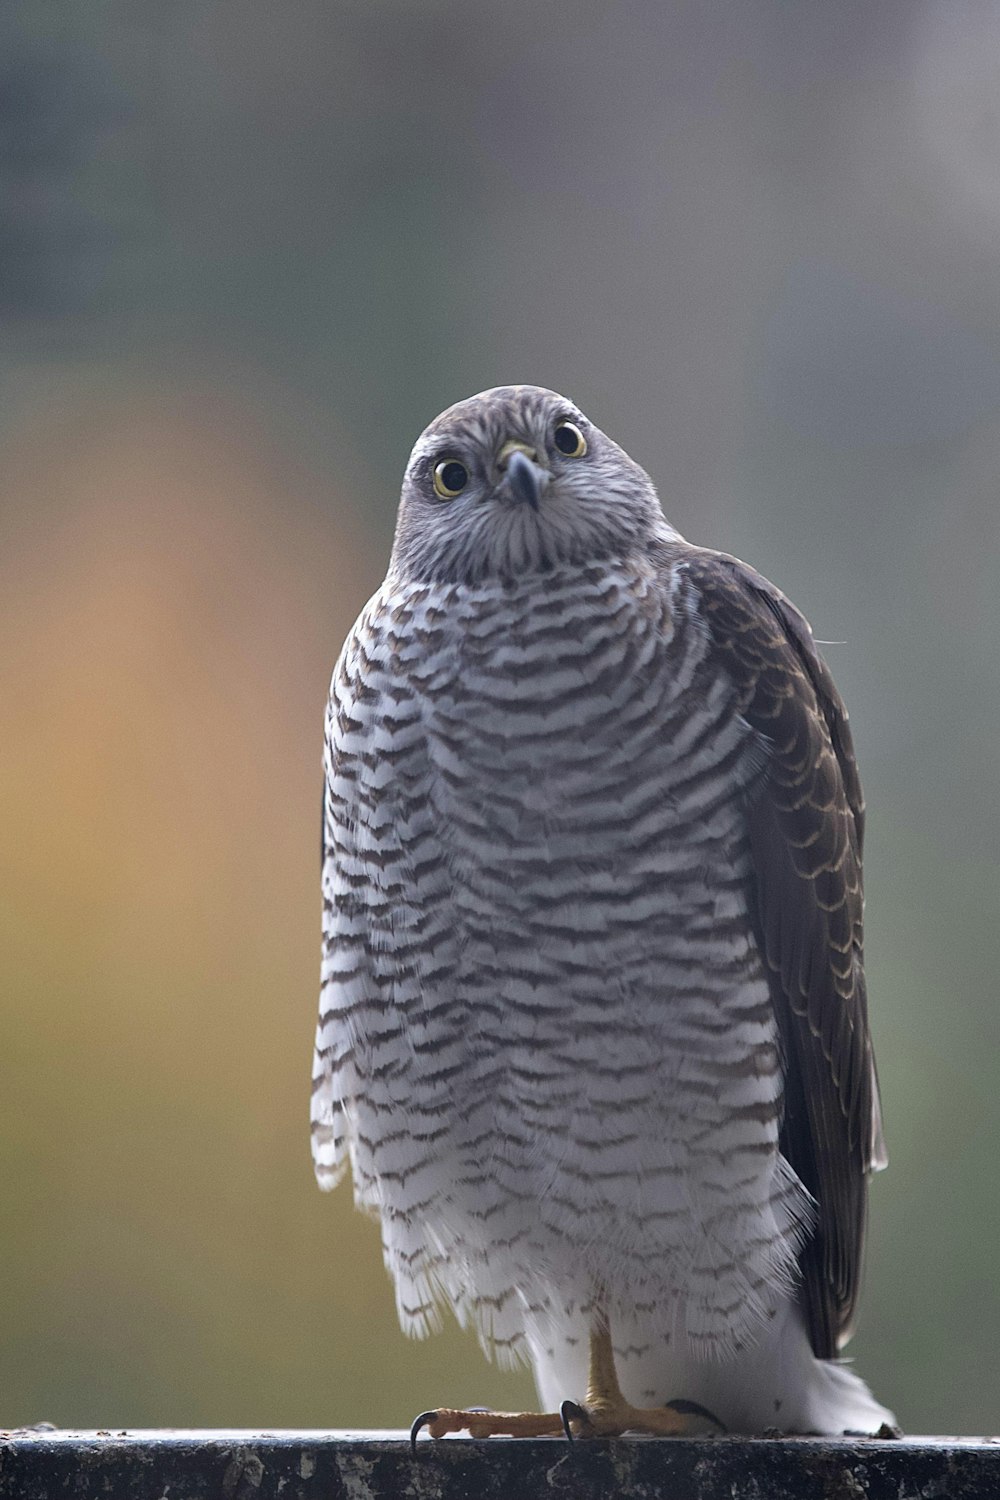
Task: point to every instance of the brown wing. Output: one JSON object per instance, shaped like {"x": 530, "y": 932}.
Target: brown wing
{"x": 806, "y": 821}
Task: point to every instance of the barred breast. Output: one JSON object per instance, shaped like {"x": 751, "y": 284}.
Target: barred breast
{"x": 546, "y": 1043}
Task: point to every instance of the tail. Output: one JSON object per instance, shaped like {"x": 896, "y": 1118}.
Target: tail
{"x": 843, "y": 1402}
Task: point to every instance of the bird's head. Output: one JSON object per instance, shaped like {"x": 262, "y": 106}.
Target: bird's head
{"x": 517, "y": 480}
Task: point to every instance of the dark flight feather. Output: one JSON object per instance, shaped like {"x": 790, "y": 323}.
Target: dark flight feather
{"x": 806, "y": 823}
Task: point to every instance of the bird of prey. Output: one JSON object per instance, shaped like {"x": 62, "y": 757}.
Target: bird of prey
{"x": 593, "y": 1032}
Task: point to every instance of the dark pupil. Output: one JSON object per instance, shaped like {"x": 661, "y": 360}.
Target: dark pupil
{"x": 454, "y": 477}
{"x": 567, "y": 440}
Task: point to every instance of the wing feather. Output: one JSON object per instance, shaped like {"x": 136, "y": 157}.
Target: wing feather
{"x": 806, "y": 825}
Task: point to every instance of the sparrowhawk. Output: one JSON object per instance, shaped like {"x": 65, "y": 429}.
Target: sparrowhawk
{"x": 593, "y": 1032}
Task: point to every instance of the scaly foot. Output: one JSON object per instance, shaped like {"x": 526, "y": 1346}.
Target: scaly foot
{"x": 481, "y": 1423}
{"x": 597, "y": 1419}
{"x": 611, "y": 1417}
{"x": 605, "y": 1413}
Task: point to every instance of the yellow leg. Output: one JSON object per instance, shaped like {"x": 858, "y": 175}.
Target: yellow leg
{"x": 605, "y": 1412}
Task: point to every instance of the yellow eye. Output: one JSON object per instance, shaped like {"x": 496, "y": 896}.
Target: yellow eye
{"x": 450, "y": 478}
{"x": 570, "y": 440}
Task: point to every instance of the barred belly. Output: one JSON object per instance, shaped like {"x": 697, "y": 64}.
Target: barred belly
{"x": 568, "y": 1068}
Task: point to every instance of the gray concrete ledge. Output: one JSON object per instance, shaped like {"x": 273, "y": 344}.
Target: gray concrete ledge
{"x": 203, "y": 1465}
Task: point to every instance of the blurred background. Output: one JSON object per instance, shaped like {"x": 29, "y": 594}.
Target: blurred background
{"x": 247, "y": 251}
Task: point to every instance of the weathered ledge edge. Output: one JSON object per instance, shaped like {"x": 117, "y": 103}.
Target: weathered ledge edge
{"x": 238, "y": 1465}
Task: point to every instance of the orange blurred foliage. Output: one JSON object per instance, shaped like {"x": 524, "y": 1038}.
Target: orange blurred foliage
{"x": 175, "y": 593}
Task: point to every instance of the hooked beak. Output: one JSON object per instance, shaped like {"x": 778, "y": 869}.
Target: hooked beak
{"x": 526, "y": 479}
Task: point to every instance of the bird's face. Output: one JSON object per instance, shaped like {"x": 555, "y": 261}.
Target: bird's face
{"x": 517, "y": 480}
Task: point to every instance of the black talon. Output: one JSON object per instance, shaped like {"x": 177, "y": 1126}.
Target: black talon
{"x": 569, "y": 1411}
{"x": 424, "y": 1420}
{"x": 695, "y": 1409}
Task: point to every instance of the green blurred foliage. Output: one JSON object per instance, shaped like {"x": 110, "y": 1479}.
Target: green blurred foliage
{"x": 246, "y": 252}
